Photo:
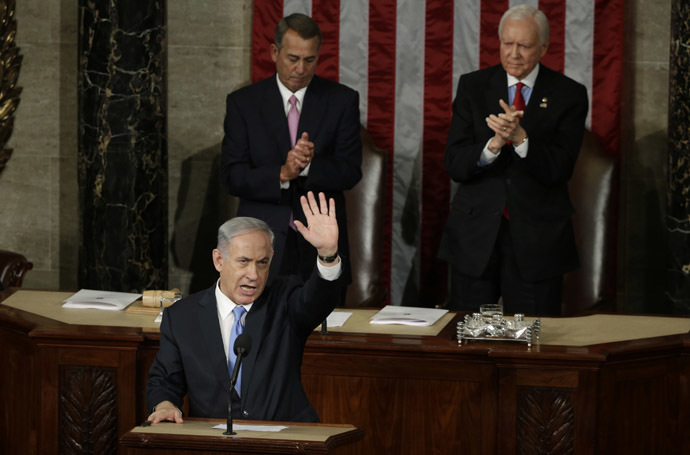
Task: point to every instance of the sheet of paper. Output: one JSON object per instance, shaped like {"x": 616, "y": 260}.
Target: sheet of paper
{"x": 272, "y": 428}
{"x": 100, "y": 300}
{"x": 337, "y": 319}
{"x": 393, "y": 314}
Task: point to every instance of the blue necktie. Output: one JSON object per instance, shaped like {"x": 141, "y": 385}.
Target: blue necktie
{"x": 237, "y": 330}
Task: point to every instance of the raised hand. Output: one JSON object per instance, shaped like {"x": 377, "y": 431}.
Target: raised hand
{"x": 322, "y": 227}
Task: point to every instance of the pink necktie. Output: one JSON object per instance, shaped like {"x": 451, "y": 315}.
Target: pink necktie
{"x": 293, "y": 119}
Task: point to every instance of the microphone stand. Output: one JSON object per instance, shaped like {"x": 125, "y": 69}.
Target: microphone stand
{"x": 240, "y": 354}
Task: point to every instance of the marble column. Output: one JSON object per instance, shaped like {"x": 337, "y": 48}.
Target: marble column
{"x": 678, "y": 197}
{"x": 123, "y": 189}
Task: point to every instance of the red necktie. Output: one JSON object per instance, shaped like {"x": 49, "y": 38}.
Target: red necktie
{"x": 519, "y": 103}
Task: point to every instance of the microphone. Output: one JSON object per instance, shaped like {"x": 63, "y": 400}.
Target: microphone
{"x": 242, "y": 346}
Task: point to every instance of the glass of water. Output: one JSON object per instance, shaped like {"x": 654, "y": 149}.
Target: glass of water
{"x": 167, "y": 299}
{"x": 488, "y": 310}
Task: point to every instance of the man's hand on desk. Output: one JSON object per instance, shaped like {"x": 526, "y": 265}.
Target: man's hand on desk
{"x": 165, "y": 410}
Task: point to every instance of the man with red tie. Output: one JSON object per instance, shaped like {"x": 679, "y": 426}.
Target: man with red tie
{"x": 515, "y": 134}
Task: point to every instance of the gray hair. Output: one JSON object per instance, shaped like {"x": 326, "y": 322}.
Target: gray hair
{"x": 240, "y": 225}
{"x": 526, "y": 11}
{"x": 304, "y": 25}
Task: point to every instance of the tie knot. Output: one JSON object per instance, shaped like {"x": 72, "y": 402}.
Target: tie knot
{"x": 239, "y": 312}
{"x": 519, "y": 86}
{"x": 293, "y": 101}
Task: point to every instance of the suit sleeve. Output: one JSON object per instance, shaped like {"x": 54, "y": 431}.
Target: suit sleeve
{"x": 464, "y": 146}
{"x": 166, "y": 375}
{"x": 241, "y": 176}
{"x": 310, "y": 304}
{"x": 339, "y": 168}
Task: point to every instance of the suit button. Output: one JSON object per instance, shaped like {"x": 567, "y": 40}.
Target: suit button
{"x": 245, "y": 413}
{"x": 508, "y": 181}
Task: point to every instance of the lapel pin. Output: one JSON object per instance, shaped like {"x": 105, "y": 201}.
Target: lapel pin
{"x": 544, "y": 103}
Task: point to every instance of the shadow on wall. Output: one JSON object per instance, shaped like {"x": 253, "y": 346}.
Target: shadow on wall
{"x": 203, "y": 204}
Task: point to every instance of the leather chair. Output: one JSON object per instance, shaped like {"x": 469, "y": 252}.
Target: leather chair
{"x": 592, "y": 287}
{"x": 365, "y": 224}
{"x": 13, "y": 267}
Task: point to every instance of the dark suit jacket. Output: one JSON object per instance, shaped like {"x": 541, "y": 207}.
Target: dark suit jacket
{"x": 191, "y": 359}
{"x": 534, "y": 188}
{"x": 256, "y": 144}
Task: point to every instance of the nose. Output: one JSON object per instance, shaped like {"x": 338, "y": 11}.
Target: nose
{"x": 299, "y": 67}
{"x": 514, "y": 51}
{"x": 252, "y": 272}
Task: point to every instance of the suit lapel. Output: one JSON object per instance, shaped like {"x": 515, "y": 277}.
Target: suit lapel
{"x": 254, "y": 327}
{"x": 540, "y": 97}
{"x": 208, "y": 320}
{"x": 273, "y": 113}
{"x": 314, "y": 109}
{"x": 498, "y": 90}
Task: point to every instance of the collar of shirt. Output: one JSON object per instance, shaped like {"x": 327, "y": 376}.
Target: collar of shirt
{"x": 225, "y": 305}
{"x": 528, "y": 81}
{"x": 286, "y": 94}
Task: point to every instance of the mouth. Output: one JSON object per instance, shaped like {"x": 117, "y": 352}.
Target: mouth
{"x": 247, "y": 289}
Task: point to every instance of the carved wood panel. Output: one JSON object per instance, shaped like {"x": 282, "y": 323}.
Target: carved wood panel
{"x": 545, "y": 421}
{"x": 87, "y": 410}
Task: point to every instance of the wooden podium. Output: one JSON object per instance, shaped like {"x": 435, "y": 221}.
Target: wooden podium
{"x": 73, "y": 381}
{"x": 198, "y": 435}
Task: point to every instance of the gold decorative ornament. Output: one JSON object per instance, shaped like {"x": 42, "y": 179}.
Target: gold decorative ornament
{"x": 10, "y": 62}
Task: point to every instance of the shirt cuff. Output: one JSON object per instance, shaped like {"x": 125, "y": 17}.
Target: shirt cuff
{"x": 305, "y": 171}
{"x": 487, "y": 157}
{"x": 285, "y": 185}
{"x": 330, "y": 273}
{"x": 523, "y": 148}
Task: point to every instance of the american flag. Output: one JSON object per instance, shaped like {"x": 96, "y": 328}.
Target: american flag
{"x": 404, "y": 58}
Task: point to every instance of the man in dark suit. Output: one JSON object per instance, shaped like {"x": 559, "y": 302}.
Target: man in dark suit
{"x": 269, "y": 167}
{"x": 509, "y": 232}
{"x": 278, "y": 317}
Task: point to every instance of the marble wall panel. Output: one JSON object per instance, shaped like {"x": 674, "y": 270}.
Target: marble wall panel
{"x": 122, "y": 163}
{"x": 208, "y": 57}
{"x": 641, "y": 269}
{"x": 678, "y": 208}
{"x": 210, "y": 23}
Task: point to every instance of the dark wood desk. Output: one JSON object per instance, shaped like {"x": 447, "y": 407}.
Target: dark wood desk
{"x": 77, "y": 388}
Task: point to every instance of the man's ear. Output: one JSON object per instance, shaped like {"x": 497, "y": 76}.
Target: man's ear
{"x": 544, "y": 48}
{"x": 274, "y": 52}
{"x": 217, "y": 259}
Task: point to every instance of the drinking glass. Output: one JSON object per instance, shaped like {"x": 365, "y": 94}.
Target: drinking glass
{"x": 167, "y": 299}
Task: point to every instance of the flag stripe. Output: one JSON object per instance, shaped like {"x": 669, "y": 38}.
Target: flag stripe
{"x": 579, "y": 42}
{"x": 354, "y": 50}
{"x": 607, "y": 67}
{"x": 491, "y": 12}
{"x": 555, "y": 12}
{"x": 381, "y": 102}
{"x": 438, "y": 94}
{"x": 326, "y": 13}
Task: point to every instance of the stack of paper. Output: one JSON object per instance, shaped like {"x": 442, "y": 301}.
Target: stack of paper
{"x": 100, "y": 300}
{"x": 392, "y": 314}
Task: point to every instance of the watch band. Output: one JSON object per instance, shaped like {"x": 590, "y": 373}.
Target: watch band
{"x": 329, "y": 259}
